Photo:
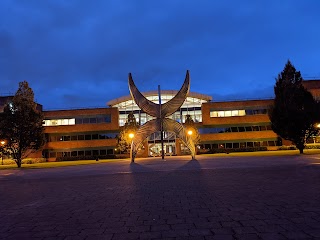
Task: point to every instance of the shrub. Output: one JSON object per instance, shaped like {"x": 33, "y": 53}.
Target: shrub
{"x": 229, "y": 150}
{"x": 76, "y": 158}
{"x": 287, "y": 148}
{"x": 33, "y": 160}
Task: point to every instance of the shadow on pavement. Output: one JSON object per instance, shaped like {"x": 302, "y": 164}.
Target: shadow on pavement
{"x": 190, "y": 165}
{"x": 135, "y": 167}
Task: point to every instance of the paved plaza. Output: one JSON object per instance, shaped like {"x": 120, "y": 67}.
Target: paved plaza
{"x": 270, "y": 197}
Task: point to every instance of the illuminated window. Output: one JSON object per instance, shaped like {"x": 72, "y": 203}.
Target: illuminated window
{"x": 228, "y": 113}
{"x": 59, "y": 122}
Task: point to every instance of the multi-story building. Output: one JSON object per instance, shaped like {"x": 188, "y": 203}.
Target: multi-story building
{"x": 227, "y": 125}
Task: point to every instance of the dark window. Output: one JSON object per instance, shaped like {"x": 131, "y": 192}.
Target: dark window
{"x": 100, "y": 120}
{"x": 102, "y": 136}
{"x": 207, "y": 146}
{"x": 80, "y": 137}
{"x": 66, "y": 154}
{"x": 235, "y": 145}
{"x": 78, "y": 120}
{"x": 271, "y": 143}
{"x": 249, "y": 144}
{"x": 221, "y": 130}
{"x": 256, "y": 144}
{"x": 242, "y": 145}
{"x": 228, "y": 145}
{"x": 87, "y": 137}
{"x": 95, "y": 136}
{"x": 263, "y": 128}
{"x": 59, "y": 154}
{"x": 234, "y": 129}
{"x": 52, "y": 154}
{"x": 241, "y": 129}
{"x": 263, "y": 143}
{"x": 110, "y": 151}
{"x": 249, "y": 112}
{"x": 107, "y": 119}
{"x": 74, "y": 138}
{"x": 95, "y": 152}
{"x": 66, "y": 138}
{"x": 93, "y": 120}
{"x": 80, "y": 153}
{"x": 103, "y": 152}
{"x": 255, "y": 128}
{"x": 87, "y": 153}
{"x": 74, "y": 153}
{"x": 214, "y": 146}
{"x": 248, "y": 129}
{"x": 228, "y": 130}
{"x": 86, "y": 120}
{"x": 269, "y": 127}
{"x": 59, "y": 138}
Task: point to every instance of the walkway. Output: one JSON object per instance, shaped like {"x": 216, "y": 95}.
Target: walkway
{"x": 220, "y": 198}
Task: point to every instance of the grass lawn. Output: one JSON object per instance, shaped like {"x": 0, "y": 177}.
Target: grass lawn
{"x": 86, "y": 162}
{"x": 57, "y": 164}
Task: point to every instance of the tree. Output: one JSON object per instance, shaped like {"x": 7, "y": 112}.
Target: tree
{"x": 293, "y": 115}
{"x": 21, "y": 124}
{"x": 130, "y": 127}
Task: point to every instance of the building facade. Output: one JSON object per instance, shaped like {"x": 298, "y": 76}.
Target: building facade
{"x": 222, "y": 125}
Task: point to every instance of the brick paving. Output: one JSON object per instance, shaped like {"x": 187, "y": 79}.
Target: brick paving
{"x": 204, "y": 199}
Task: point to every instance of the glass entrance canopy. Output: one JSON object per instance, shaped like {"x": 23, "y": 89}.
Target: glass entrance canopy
{"x": 191, "y": 106}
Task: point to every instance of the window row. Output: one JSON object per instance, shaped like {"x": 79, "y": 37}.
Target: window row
{"x": 59, "y": 122}
{"x": 80, "y": 137}
{"x": 73, "y": 121}
{"x": 236, "y": 113}
{"x": 98, "y": 119}
{"x": 240, "y": 144}
{"x": 81, "y": 153}
{"x": 235, "y": 129}
{"x": 179, "y": 116}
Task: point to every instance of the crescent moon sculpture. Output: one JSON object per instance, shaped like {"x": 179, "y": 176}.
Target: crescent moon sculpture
{"x": 167, "y": 108}
{"x": 161, "y": 112}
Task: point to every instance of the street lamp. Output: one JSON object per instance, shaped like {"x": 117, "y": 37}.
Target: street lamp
{"x": 2, "y": 144}
{"x": 189, "y": 132}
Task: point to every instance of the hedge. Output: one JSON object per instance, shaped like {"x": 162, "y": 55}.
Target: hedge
{"x": 76, "y": 158}
{"x": 229, "y": 150}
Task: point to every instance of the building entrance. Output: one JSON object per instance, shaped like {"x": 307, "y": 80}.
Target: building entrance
{"x": 169, "y": 144}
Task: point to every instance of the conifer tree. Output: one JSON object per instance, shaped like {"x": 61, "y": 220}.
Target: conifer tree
{"x": 293, "y": 115}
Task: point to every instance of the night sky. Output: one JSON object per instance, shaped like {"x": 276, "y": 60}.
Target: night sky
{"x": 78, "y": 53}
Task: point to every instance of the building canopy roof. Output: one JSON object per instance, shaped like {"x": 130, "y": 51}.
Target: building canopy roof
{"x": 165, "y": 96}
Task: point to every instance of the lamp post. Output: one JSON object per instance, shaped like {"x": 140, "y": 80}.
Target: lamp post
{"x": 2, "y": 144}
{"x": 131, "y": 136}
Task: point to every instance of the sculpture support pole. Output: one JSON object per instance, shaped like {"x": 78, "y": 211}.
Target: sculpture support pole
{"x": 131, "y": 152}
{"x": 161, "y": 123}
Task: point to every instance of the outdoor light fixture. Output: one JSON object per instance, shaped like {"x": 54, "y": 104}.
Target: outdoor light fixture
{"x": 2, "y": 144}
{"x": 131, "y": 135}
{"x": 190, "y": 132}
{"x": 318, "y": 125}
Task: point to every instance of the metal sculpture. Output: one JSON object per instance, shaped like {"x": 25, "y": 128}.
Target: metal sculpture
{"x": 160, "y": 111}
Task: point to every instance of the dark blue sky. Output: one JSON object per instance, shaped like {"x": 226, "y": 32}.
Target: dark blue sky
{"x": 79, "y": 53}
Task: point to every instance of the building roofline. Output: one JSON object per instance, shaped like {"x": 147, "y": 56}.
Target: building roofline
{"x": 155, "y": 93}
